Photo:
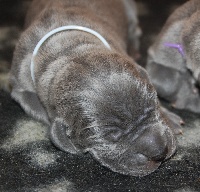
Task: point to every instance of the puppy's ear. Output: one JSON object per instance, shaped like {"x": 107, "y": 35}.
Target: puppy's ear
{"x": 60, "y": 138}
{"x": 166, "y": 80}
{"x": 31, "y": 104}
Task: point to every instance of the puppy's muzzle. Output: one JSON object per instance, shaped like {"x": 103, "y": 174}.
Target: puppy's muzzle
{"x": 143, "y": 155}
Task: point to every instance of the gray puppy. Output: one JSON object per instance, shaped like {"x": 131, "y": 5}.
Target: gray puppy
{"x": 95, "y": 99}
{"x": 174, "y": 59}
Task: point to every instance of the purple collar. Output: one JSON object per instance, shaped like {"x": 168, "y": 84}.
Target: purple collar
{"x": 176, "y": 46}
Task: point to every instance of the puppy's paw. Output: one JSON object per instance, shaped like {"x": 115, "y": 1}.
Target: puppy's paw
{"x": 173, "y": 120}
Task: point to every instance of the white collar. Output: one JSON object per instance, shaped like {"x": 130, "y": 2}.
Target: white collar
{"x": 63, "y": 28}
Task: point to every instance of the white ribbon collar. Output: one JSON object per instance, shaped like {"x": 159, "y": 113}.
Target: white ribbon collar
{"x": 63, "y": 28}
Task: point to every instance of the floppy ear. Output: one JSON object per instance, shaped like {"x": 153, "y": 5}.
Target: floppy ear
{"x": 31, "y": 104}
{"x": 60, "y": 138}
{"x": 166, "y": 80}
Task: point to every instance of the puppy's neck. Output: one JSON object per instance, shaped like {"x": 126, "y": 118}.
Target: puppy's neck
{"x": 63, "y": 28}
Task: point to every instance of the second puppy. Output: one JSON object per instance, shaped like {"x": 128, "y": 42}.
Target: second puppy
{"x": 173, "y": 62}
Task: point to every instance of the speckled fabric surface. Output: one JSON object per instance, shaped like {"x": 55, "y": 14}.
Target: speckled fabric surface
{"x": 30, "y": 163}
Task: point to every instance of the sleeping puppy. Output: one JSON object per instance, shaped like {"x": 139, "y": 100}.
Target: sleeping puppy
{"x": 93, "y": 96}
{"x": 174, "y": 59}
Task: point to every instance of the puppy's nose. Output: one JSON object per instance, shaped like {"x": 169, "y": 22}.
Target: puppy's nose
{"x": 153, "y": 144}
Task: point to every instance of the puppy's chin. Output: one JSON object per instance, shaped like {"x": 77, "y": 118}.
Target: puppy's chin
{"x": 141, "y": 157}
{"x": 137, "y": 165}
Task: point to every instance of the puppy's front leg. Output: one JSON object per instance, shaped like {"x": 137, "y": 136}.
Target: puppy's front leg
{"x": 31, "y": 104}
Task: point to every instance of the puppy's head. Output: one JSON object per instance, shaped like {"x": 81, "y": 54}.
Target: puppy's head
{"x": 119, "y": 121}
